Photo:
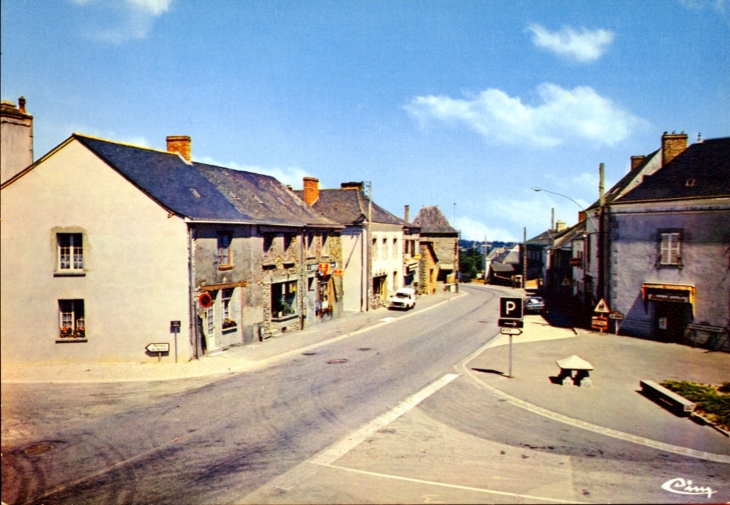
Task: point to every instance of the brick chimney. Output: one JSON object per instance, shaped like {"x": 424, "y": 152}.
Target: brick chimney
{"x": 405, "y": 212}
{"x": 636, "y": 161}
{"x": 179, "y": 144}
{"x": 16, "y": 132}
{"x": 311, "y": 190}
{"x": 672, "y": 146}
{"x": 351, "y": 185}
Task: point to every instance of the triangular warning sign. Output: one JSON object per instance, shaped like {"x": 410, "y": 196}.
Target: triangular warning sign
{"x": 602, "y": 307}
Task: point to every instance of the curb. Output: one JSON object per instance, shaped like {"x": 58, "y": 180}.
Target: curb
{"x": 684, "y": 451}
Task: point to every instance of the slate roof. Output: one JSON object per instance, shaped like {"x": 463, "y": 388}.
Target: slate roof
{"x": 205, "y": 192}
{"x": 632, "y": 178}
{"x": 432, "y": 222}
{"x": 700, "y": 171}
{"x": 543, "y": 239}
{"x": 350, "y": 206}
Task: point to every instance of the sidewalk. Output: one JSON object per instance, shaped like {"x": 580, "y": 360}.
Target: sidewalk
{"x": 614, "y": 402}
{"x": 234, "y": 359}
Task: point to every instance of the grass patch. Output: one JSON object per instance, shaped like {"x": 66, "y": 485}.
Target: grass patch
{"x": 713, "y": 402}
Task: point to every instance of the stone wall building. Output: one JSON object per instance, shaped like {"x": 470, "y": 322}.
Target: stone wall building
{"x": 439, "y": 250}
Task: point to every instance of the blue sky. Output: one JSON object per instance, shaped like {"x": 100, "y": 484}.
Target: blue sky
{"x": 461, "y": 104}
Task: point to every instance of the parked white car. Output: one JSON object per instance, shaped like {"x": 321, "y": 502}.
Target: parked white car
{"x": 404, "y": 298}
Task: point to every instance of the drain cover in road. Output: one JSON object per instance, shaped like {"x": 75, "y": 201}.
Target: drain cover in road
{"x": 37, "y": 449}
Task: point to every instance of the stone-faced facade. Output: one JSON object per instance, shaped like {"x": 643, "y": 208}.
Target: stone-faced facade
{"x": 438, "y": 248}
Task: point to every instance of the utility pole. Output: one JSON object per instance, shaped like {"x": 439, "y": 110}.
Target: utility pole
{"x": 524, "y": 257}
{"x": 601, "y": 236}
{"x": 369, "y": 288}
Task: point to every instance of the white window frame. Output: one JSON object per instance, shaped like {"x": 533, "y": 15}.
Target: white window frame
{"x": 670, "y": 249}
{"x": 72, "y": 319}
{"x": 71, "y": 255}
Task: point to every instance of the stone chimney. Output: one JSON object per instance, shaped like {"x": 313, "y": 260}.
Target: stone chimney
{"x": 311, "y": 190}
{"x": 405, "y": 213}
{"x": 179, "y": 144}
{"x": 673, "y": 144}
{"x": 351, "y": 185}
{"x": 636, "y": 161}
{"x": 559, "y": 225}
{"x": 16, "y": 132}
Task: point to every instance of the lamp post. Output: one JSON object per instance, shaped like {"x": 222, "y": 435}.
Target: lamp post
{"x": 569, "y": 198}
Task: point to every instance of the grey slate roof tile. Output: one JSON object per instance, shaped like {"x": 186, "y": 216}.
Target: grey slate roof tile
{"x": 206, "y": 192}
{"x": 706, "y": 164}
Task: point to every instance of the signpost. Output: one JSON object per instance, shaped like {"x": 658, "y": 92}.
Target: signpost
{"x": 600, "y": 321}
{"x": 510, "y": 323}
{"x": 175, "y": 329}
{"x": 511, "y": 312}
{"x": 158, "y": 348}
{"x": 616, "y": 316}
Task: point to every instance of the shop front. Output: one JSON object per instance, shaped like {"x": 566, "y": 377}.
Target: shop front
{"x": 672, "y": 309}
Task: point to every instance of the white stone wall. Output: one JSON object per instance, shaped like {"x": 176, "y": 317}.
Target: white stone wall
{"x": 135, "y": 264}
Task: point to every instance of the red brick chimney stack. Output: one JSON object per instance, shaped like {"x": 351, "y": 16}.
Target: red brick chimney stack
{"x": 179, "y": 144}
{"x": 672, "y": 146}
{"x": 636, "y": 161}
{"x": 21, "y": 104}
{"x": 311, "y": 190}
{"x": 407, "y": 208}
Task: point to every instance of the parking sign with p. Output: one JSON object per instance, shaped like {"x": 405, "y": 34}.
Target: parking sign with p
{"x": 510, "y": 308}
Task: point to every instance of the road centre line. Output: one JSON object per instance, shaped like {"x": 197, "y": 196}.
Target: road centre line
{"x": 451, "y": 486}
{"x": 647, "y": 442}
{"x": 339, "y": 449}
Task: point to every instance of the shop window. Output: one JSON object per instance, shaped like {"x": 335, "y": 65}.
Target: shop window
{"x": 70, "y": 252}
{"x": 670, "y": 248}
{"x": 283, "y": 300}
{"x": 227, "y": 311}
{"x": 71, "y": 319}
{"x": 224, "y": 250}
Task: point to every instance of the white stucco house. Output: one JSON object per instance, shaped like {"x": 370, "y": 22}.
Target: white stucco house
{"x": 107, "y": 248}
{"x": 372, "y": 253}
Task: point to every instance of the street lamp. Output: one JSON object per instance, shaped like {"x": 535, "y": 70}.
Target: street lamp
{"x": 569, "y": 198}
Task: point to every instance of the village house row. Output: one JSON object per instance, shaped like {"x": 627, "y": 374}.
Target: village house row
{"x": 655, "y": 247}
{"x": 109, "y": 247}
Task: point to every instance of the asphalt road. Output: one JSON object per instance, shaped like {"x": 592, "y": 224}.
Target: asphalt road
{"x": 185, "y": 443}
{"x": 258, "y": 437}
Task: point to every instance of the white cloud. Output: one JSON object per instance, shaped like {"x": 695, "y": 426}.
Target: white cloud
{"x": 583, "y": 46}
{"x": 562, "y": 114}
{"x": 718, "y": 5}
{"x": 291, "y": 176}
{"x": 122, "y": 20}
{"x": 474, "y": 230}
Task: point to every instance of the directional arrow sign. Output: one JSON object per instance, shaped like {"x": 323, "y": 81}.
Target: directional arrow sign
{"x": 158, "y": 347}
{"x": 510, "y": 331}
{"x": 510, "y": 323}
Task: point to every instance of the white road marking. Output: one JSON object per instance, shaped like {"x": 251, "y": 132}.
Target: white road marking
{"x": 452, "y": 486}
{"x": 336, "y": 451}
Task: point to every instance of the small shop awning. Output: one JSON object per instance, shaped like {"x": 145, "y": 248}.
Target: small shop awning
{"x": 678, "y": 293}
